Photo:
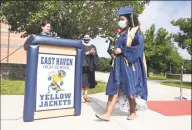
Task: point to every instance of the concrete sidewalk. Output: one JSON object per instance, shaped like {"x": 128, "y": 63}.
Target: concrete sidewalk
{"x": 12, "y": 112}
{"x": 103, "y": 77}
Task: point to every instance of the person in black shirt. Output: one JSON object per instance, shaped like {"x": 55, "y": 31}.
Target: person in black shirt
{"x": 46, "y": 31}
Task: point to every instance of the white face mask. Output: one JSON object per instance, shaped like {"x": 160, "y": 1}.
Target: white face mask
{"x": 122, "y": 24}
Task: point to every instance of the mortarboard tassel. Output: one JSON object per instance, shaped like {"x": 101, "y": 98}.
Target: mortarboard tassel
{"x": 133, "y": 67}
{"x": 127, "y": 62}
{"x": 132, "y": 21}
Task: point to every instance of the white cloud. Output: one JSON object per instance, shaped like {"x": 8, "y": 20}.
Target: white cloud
{"x": 160, "y": 13}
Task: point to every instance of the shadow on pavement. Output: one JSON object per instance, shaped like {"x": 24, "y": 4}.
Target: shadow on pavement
{"x": 99, "y": 106}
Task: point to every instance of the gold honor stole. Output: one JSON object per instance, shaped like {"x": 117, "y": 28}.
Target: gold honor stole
{"x": 130, "y": 36}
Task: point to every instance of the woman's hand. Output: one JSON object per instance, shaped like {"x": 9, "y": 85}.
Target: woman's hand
{"x": 91, "y": 52}
{"x": 112, "y": 56}
{"x": 116, "y": 51}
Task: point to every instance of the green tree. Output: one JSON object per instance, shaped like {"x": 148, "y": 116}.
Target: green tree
{"x": 160, "y": 51}
{"x": 187, "y": 66}
{"x": 174, "y": 60}
{"x": 104, "y": 64}
{"x": 149, "y": 40}
{"x": 70, "y": 19}
{"x": 185, "y": 35}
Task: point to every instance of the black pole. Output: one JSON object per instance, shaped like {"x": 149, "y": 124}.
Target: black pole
{"x": 8, "y": 45}
{"x": 170, "y": 68}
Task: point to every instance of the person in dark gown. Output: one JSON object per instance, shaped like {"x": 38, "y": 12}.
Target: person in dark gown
{"x": 90, "y": 62}
{"x": 127, "y": 83}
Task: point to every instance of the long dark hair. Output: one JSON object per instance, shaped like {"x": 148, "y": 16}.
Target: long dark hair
{"x": 133, "y": 20}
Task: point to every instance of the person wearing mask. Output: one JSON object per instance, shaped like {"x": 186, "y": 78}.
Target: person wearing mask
{"x": 127, "y": 83}
{"x": 90, "y": 63}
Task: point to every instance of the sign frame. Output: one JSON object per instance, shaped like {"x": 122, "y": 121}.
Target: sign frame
{"x": 34, "y": 42}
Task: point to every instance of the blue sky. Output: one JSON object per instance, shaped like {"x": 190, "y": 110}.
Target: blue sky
{"x": 160, "y": 13}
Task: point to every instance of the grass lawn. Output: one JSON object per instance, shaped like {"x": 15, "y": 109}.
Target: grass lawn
{"x": 12, "y": 87}
{"x": 101, "y": 87}
{"x": 158, "y": 77}
{"x": 16, "y": 87}
{"x": 187, "y": 85}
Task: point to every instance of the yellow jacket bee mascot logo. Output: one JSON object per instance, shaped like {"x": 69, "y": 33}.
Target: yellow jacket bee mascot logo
{"x": 57, "y": 80}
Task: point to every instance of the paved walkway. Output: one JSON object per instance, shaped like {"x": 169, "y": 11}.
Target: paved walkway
{"x": 12, "y": 111}
{"x": 104, "y": 77}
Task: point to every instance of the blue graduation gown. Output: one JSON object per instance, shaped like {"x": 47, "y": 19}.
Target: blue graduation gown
{"x": 131, "y": 83}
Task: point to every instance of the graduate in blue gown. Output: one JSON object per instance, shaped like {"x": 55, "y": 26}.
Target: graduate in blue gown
{"x": 127, "y": 83}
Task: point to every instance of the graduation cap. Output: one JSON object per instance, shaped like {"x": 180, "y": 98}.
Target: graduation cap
{"x": 125, "y": 10}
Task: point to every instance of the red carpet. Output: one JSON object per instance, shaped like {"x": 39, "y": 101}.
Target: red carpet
{"x": 171, "y": 108}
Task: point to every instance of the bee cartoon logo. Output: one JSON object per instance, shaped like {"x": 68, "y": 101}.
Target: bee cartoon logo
{"x": 56, "y": 79}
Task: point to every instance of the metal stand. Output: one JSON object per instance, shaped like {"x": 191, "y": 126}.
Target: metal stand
{"x": 181, "y": 87}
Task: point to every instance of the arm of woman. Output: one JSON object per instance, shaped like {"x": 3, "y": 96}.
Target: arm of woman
{"x": 132, "y": 53}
